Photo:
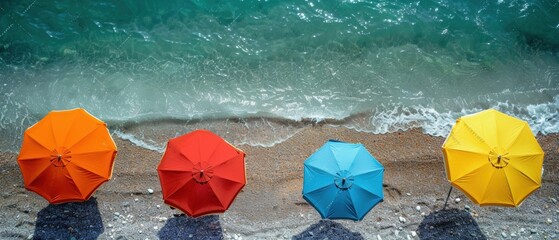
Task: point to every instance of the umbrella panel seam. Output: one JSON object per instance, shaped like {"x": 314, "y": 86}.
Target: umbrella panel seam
{"x": 477, "y": 136}
{"x": 84, "y": 137}
{"x": 38, "y": 142}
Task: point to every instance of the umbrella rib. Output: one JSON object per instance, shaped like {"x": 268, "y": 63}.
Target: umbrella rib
{"x": 214, "y": 150}
{"x": 478, "y": 137}
{"x": 517, "y": 135}
{"x": 223, "y": 205}
{"x": 528, "y": 194}
{"x": 215, "y": 195}
{"x": 514, "y": 167}
{"x": 185, "y": 157}
{"x": 73, "y": 117}
{"x": 318, "y": 189}
{"x": 38, "y": 142}
{"x": 70, "y": 179}
{"x": 510, "y": 188}
{"x": 518, "y": 170}
{"x": 380, "y": 198}
{"x": 525, "y": 154}
{"x": 353, "y": 210}
{"x": 223, "y": 208}
{"x": 85, "y": 170}
{"x": 486, "y": 187}
{"x": 366, "y": 190}
{"x": 87, "y": 134}
{"x": 352, "y": 205}
{"x": 223, "y": 162}
{"x": 318, "y": 170}
{"x": 473, "y": 170}
{"x": 77, "y": 164}
{"x": 179, "y": 188}
{"x": 173, "y": 170}
{"x": 362, "y": 148}
{"x": 481, "y": 165}
{"x": 331, "y": 204}
{"x": 91, "y": 152}
{"x": 358, "y": 184}
{"x": 41, "y": 173}
{"x": 52, "y": 132}
{"x": 482, "y": 199}
{"x": 370, "y": 171}
{"x": 231, "y": 180}
{"x": 334, "y": 157}
{"x": 466, "y": 151}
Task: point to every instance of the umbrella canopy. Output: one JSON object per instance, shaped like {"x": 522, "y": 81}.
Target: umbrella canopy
{"x": 342, "y": 181}
{"x": 66, "y": 156}
{"x": 493, "y": 158}
{"x": 200, "y": 173}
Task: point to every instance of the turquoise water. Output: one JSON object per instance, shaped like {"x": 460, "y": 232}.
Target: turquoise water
{"x": 376, "y": 66}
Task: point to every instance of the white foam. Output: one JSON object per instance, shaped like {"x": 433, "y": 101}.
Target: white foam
{"x": 542, "y": 118}
{"x": 268, "y": 143}
{"x": 401, "y": 118}
{"x": 138, "y": 142}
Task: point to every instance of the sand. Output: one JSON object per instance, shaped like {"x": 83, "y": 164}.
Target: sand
{"x": 271, "y": 207}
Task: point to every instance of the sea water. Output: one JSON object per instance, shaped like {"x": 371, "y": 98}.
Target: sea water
{"x": 263, "y": 70}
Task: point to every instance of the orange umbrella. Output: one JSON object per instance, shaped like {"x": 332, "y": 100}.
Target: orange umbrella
{"x": 66, "y": 156}
{"x": 200, "y": 173}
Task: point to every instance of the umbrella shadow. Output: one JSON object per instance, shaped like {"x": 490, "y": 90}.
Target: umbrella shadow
{"x": 326, "y": 229}
{"x": 184, "y": 227}
{"x": 75, "y": 220}
{"x": 449, "y": 224}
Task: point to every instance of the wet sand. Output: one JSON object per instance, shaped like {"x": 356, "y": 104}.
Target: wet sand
{"x": 271, "y": 207}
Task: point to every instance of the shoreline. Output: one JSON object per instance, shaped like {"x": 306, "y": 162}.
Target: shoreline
{"x": 267, "y": 130}
{"x": 271, "y": 205}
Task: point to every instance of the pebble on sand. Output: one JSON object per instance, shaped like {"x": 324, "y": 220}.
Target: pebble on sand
{"x": 150, "y": 191}
{"x": 457, "y": 200}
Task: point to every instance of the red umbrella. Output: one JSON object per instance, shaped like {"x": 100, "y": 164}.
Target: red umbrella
{"x": 200, "y": 173}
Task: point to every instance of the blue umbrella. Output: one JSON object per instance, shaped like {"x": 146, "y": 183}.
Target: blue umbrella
{"x": 343, "y": 181}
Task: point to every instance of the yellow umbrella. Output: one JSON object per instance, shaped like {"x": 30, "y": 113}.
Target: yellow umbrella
{"x": 493, "y": 158}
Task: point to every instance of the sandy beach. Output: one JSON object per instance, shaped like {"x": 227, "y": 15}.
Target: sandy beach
{"x": 270, "y": 206}
{"x": 278, "y": 79}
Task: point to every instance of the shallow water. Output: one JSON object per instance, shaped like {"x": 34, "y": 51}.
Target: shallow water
{"x": 377, "y": 66}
